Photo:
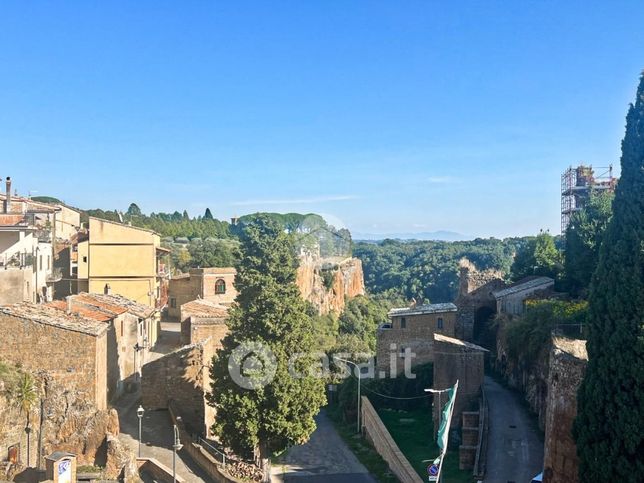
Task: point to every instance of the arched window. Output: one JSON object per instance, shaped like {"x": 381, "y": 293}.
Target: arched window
{"x": 220, "y": 287}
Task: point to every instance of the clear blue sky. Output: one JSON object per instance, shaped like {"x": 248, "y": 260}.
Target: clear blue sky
{"x": 392, "y": 116}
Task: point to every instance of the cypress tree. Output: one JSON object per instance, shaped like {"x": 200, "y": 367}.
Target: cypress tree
{"x": 609, "y": 426}
{"x": 262, "y": 415}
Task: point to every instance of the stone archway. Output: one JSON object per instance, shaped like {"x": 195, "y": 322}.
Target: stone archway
{"x": 484, "y": 333}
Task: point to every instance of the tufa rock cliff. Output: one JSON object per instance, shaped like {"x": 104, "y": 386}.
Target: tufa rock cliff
{"x": 328, "y": 282}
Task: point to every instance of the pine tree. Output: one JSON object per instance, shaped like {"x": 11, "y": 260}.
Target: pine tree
{"x": 267, "y": 415}
{"x": 208, "y": 215}
{"x": 610, "y": 421}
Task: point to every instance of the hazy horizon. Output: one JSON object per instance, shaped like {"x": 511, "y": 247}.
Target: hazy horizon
{"x": 381, "y": 118}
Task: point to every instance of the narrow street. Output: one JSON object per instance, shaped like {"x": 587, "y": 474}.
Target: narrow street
{"x": 515, "y": 448}
{"x": 157, "y": 430}
{"x": 324, "y": 459}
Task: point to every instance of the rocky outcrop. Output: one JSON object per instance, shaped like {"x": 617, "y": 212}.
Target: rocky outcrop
{"x": 121, "y": 462}
{"x": 328, "y": 282}
{"x": 60, "y": 420}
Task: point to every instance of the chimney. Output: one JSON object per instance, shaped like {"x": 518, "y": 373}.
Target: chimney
{"x": 7, "y": 203}
{"x": 68, "y": 299}
{"x": 107, "y": 290}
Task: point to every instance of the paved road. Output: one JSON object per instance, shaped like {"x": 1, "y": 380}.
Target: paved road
{"x": 324, "y": 459}
{"x": 515, "y": 448}
{"x": 156, "y": 426}
{"x": 157, "y": 438}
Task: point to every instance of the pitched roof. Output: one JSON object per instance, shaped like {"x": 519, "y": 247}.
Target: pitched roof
{"x": 524, "y": 284}
{"x": 459, "y": 342}
{"x": 83, "y": 310}
{"x": 123, "y": 304}
{"x": 51, "y": 316}
{"x": 423, "y": 309}
{"x": 204, "y": 308}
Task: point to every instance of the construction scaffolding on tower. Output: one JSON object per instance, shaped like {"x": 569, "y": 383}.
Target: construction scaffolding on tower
{"x": 577, "y": 184}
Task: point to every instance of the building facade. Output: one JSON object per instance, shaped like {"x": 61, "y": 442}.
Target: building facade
{"x": 215, "y": 284}
{"x": 128, "y": 259}
{"x": 71, "y": 348}
{"x": 511, "y": 300}
{"x": 412, "y": 329}
{"x": 203, "y": 320}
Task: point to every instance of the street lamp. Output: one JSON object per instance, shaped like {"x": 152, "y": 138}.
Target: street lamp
{"x": 139, "y": 413}
{"x": 359, "y": 379}
{"x": 175, "y": 447}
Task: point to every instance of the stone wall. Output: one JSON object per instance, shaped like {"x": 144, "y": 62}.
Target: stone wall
{"x": 530, "y": 379}
{"x": 568, "y": 360}
{"x": 347, "y": 282}
{"x": 75, "y": 359}
{"x": 418, "y": 336}
{"x": 377, "y": 434}
{"x": 181, "y": 377}
{"x": 198, "y": 329}
{"x": 200, "y": 283}
{"x": 474, "y": 294}
{"x": 457, "y": 360}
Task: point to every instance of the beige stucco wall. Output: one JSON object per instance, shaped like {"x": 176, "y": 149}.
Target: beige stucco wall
{"x": 123, "y": 256}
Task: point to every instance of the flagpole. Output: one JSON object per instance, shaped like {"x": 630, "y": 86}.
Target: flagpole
{"x": 452, "y": 401}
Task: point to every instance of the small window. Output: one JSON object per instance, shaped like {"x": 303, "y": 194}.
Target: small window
{"x": 84, "y": 259}
{"x": 439, "y": 323}
{"x": 403, "y": 323}
{"x": 403, "y": 351}
{"x": 40, "y": 262}
{"x": 220, "y": 287}
{"x": 173, "y": 303}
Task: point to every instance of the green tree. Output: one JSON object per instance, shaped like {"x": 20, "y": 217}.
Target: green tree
{"x": 537, "y": 256}
{"x": 208, "y": 215}
{"x": 271, "y": 414}
{"x": 212, "y": 253}
{"x": 583, "y": 239}
{"x": 608, "y": 428}
{"x": 134, "y": 210}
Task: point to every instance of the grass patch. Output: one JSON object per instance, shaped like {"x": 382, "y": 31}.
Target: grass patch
{"x": 412, "y": 432}
{"x": 360, "y": 447}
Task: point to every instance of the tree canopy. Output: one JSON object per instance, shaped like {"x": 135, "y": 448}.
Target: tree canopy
{"x": 269, "y": 313}
{"x": 583, "y": 239}
{"x": 608, "y": 428}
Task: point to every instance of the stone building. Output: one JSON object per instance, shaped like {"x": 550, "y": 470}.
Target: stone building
{"x": 201, "y": 320}
{"x": 475, "y": 301}
{"x": 213, "y": 284}
{"x": 181, "y": 379}
{"x": 412, "y": 329}
{"x": 135, "y": 329}
{"x": 568, "y": 360}
{"x": 457, "y": 360}
{"x": 511, "y": 300}
{"x": 76, "y": 351}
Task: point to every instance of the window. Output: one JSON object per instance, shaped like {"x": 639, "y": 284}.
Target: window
{"x": 84, "y": 259}
{"x": 439, "y": 323}
{"x": 40, "y": 262}
{"x": 121, "y": 328}
{"x": 220, "y": 287}
{"x": 173, "y": 303}
{"x": 403, "y": 351}
{"x": 403, "y": 323}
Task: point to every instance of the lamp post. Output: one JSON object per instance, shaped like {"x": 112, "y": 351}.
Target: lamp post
{"x": 175, "y": 447}
{"x": 139, "y": 413}
{"x": 359, "y": 379}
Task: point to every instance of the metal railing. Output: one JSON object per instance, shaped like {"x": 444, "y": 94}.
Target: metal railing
{"x": 212, "y": 450}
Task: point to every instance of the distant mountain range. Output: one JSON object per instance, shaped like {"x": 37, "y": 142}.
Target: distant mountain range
{"x": 440, "y": 235}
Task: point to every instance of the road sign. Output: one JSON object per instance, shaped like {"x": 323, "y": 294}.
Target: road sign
{"x": 432, "y": 471}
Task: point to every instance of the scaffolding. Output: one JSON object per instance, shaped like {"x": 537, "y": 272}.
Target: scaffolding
{"x": 577, "y": 184}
